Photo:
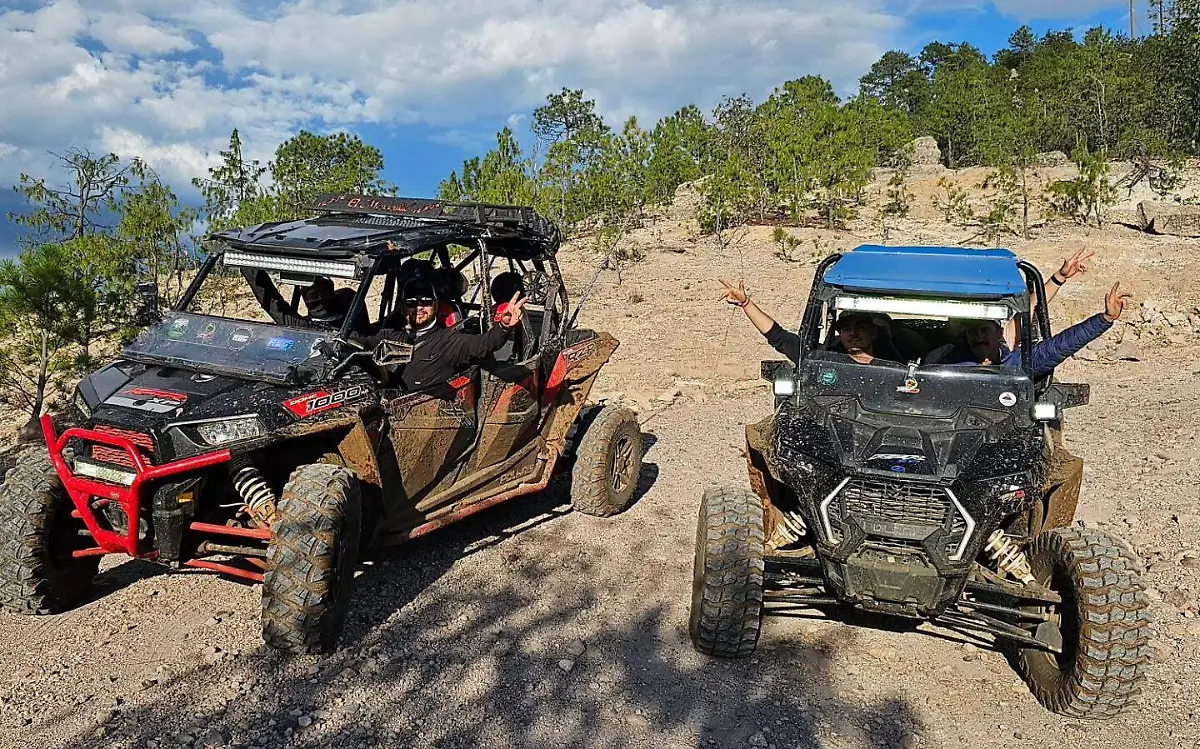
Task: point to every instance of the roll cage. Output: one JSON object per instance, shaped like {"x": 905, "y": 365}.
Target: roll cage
{"x": 360, "y": 238}
{"x": 1034, "y": 324}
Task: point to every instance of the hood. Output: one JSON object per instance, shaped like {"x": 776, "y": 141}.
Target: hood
{"x": 974, "y": 444}
{"x": 144, "y": 396}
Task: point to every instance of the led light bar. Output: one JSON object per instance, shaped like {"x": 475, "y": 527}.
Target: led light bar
{"x": 103, "y": 473}
{"x": 332, "y": 268}
{"x": 923, "y": 308}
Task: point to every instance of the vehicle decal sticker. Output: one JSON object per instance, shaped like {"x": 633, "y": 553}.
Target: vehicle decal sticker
{"x": 148, "y": 399}
{"x": 239, "y": 338}
{"x": 1008, "y": 399}
{"x": 155, "y": 393}
{"x": 829, "y": 377}
{"x": 311, "y": 404}
{"x": 281, "y": 344}
{"x": 178, "y": 329}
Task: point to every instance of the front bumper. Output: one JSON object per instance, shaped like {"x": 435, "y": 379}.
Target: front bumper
{"x": 86, "y": 491}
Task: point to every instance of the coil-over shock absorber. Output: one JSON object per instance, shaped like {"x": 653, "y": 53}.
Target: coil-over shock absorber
{"x": 253, "y": 490}
{"x": 1009, "y": 558}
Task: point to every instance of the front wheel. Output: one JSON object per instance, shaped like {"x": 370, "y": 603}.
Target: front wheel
{"x": 311, "y": 559}
{"x": 39, "y": 573}
{"x": 1103, "y": 623}
{"x": 727, "y": 582}
{"x": 608, "y": 463}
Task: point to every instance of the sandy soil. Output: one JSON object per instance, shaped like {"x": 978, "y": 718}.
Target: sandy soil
{"x": 531, "y": 626}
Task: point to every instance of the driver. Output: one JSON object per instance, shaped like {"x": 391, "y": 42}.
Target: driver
{"x": 439, "y": 351}
{"x": 858, "y": 333}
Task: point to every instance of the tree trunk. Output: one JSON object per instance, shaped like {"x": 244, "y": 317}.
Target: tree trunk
{"x": 39, "y": 396}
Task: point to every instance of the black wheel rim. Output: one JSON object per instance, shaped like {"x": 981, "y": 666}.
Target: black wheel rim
{"x": 1064, "y": 617}
{"x": 622, "y": 473}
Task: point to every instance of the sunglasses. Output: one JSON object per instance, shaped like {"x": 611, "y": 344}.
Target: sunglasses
{"x": 422, "y": 302}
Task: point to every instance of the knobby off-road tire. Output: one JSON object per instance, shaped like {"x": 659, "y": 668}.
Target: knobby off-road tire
{"x": 608, "y": 463}
{"x": 311, "y": 559}
{"x": 727, "y": 582}
{"x": 1104, "y": 620}
{"x": 38, "y": 574}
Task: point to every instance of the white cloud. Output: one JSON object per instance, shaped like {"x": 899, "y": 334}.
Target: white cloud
{"x": 169, "y": 79}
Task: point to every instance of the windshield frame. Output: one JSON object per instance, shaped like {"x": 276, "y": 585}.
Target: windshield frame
{"x": 821, "y": 308}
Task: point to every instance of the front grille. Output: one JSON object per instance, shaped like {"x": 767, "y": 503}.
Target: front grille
{"x": 901, "y": 502}
{"x": 118, "y": 456}
{"x": 897, "y": 502}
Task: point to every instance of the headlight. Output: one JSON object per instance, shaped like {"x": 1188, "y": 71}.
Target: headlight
{"x": 81, "y": 404}
{"x": 230, "y": 430}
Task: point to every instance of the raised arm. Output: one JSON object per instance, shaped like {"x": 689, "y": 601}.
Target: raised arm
{"x": 271, "y": 300}
{"x": 783, "y": 341}
{"x": 1051, "y": 352}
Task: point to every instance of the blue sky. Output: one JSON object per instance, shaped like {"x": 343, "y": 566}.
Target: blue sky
{"x": 429, "y": 83}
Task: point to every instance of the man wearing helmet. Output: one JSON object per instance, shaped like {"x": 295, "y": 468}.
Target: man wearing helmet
{"x": 438, "y": 351}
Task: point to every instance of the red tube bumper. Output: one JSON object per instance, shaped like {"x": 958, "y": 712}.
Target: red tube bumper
{"x": 83, "y": 490}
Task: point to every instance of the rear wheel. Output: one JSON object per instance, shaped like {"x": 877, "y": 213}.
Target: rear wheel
{"x": 608, "y": 463}
{"x": 727, "y": 582}
{"x": 1103, "y": 623}
{"x": 38, "y": 572}
{"x": 311, "y": 559}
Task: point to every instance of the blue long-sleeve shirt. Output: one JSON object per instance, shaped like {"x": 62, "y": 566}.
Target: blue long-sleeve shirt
{"x": 1055, "y": 350}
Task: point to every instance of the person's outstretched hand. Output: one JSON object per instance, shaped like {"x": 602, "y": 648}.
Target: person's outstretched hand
{"x": 1075, "y": 264}
{"x": 1115, "y": 301}
{"x": 511, "y": 316}
{"x": 734, "y": 294}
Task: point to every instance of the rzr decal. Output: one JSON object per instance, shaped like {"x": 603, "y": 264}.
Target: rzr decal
{"x": 148, "y": 399}
{"x": 314, "y": 403}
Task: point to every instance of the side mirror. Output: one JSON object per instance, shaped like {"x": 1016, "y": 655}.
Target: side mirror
{"x": 147, "y": 312}
{"x": 772, "y": 369}
{"x": 392, "y": 353}
{"x": 1066, "y": 395}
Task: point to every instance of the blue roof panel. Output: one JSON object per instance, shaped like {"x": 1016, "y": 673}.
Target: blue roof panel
{"x": 938, "y": 271}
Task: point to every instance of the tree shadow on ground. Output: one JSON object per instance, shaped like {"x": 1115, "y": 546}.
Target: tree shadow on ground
{"x": 483, "y": 635}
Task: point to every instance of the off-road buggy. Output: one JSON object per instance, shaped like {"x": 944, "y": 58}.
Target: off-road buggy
{"x": 225, "y": 441}
{"x": 935, "y": 493}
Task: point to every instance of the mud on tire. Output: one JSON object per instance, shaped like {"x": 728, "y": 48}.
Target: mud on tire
{"x": 727, "y": 583}
{"x": 38, "y": 574}
{"x": 1104, "y": 621}
{"x": 608, "y": 463}
{"x": 311, "y": 559}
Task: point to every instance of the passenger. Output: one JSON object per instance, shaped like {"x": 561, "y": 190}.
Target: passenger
{"x": 857, "y": 333}
{"x": 327, "y": 306}
{"x": 503, "y": 286}
{"x": 438, "y": 351}
{"x": 985, "y": 340}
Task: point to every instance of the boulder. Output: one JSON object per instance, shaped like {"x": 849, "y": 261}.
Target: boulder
{"x": 924, "y": 151}
{"x": 1169, "y": 218}
{"x": 1052, "y": 159}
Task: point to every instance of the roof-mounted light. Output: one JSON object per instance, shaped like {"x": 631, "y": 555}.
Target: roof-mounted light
{"x": 923, "y": 307}
{"x": 331, "y": 268}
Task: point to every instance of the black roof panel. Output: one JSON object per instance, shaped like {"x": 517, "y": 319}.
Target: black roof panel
{"x": 354, "y": 224}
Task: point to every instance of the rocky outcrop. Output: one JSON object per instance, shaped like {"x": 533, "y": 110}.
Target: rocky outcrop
{"x": 1052, "y": 159}
{"x": 924, "y": 151}
{"x": 1169, "y": 218}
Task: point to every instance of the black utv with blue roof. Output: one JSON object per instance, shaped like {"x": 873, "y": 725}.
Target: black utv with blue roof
{"x": 940, "y": 493}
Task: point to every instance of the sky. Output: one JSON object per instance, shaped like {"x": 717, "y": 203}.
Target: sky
{"x": 428, "y": 82}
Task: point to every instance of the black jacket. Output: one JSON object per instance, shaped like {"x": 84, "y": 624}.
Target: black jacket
{"x": 439, "y": 354}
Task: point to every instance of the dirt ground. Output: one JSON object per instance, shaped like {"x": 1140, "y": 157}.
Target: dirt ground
{"x": 531, "y": 626}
